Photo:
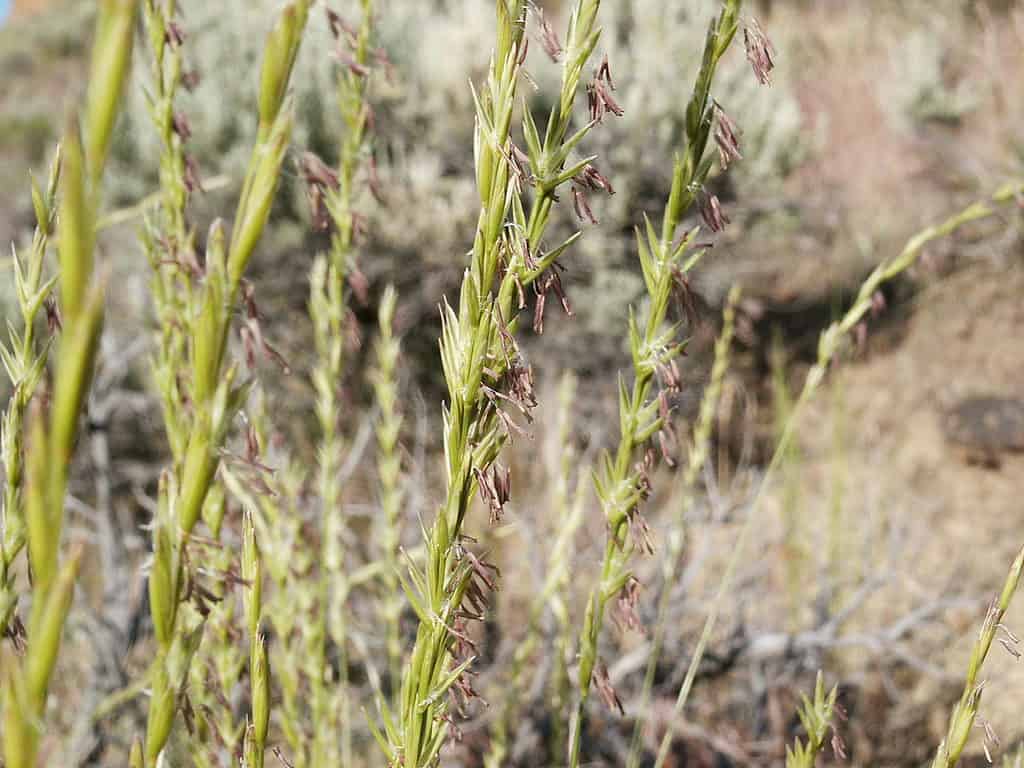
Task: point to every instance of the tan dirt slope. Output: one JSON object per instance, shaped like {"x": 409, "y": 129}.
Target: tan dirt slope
{"x": 965, "y": 519}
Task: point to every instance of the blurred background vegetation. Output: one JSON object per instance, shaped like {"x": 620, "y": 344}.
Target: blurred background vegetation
{"x": 882, "y": 118}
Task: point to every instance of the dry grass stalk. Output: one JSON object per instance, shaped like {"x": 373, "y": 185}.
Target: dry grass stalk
{"x": 176, "y": 286}
{"x": 794, "y": 552}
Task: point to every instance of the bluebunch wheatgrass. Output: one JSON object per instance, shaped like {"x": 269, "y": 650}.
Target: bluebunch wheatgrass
{"x": 212, "y": 387}
{"x": 167, "y": 237}
{"x": 830, "y": 344}
{"x": 566, "y": 506}
{"x": 308, "y": 604}
{"x": 697, "y": 457}
{"x": 336, "y": 192}
{"x": 289, "y": 524}
{"x": 255, "y": 745}
{"x": 965, "y": 713}
{"x": 24, "y": 360}
{"x": 288, "y": 600}
{"x": 570, "y": 511}
{"x": 213, "y": 393}
{"x": 176, "y": 641}
{"x": 620, "y": 480}
{"x": 484, "y": 370}
{"x": 388, "y": 525}
{"x": 135, "y": 758}
{"x": 560, "y": 688}
{"x": 219, "y": 666}
{"x": 816, "y": 717}
{"x": 52, "y": 435}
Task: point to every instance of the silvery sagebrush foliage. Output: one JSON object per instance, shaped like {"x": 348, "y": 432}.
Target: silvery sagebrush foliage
{"x": 188, "y": 491}
{"x": 921, "y": 86}
{"x": 52, "y": 429}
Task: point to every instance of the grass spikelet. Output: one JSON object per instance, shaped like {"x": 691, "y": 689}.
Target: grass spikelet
{"x": 965, "y": 713}
{"x": 389, "y": 468}
{"x": 816, "y": 717}
{"x": 24, "y": 360}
